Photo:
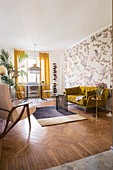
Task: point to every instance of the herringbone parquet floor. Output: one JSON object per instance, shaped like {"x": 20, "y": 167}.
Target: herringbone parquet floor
{"x": 50, "y": 146}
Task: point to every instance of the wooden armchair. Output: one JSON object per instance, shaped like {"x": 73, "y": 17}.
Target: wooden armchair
{"x": 13, "y": 113}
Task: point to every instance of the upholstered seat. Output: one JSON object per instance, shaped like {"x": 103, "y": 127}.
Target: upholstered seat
{"x": 72, "y": 98}
{"x": 13, "y": 113}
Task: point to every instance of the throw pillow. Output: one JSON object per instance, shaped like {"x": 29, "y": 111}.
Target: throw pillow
{"x": 90, "y": 93}
{"x": 71, "y": 91}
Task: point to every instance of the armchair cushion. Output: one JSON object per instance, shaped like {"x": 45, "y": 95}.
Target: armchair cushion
{"x": 13, "y": 113}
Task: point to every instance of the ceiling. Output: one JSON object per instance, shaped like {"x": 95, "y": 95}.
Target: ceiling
{"x": 51, "y": 24}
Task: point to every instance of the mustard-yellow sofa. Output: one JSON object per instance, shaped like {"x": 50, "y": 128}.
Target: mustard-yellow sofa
{"x": 89, "y": 93}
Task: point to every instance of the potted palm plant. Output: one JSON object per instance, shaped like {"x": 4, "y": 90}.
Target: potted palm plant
{"x": 12, "y": 72}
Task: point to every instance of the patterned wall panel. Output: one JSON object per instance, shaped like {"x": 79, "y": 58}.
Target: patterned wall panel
{"x": 83, "y": 63}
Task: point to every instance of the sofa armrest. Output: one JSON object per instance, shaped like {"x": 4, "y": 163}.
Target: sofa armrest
{"x": 71, "y": 91}
{"x": 90, "y": 101}
{"x": 105, "y": 95}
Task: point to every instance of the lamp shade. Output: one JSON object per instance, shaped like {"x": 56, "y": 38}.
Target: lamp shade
{"x": 34, "y": 69}
{"x": 3, "y": 70}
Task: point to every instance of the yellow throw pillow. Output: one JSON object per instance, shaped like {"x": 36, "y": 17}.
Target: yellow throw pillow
{"x": 72, "y": 91}
{"x": 90, "y": 93}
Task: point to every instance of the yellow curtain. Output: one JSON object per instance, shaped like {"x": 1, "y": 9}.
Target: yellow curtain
{"x": 20, "y": 89}
{"x": 45, "y": 57}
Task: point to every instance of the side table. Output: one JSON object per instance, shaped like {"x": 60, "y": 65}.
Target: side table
{"x": 97, "y": 100}
{"x": 61, "y": 102}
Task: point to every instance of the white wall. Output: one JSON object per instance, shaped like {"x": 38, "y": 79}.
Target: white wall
{"x": 54, "y": 56}
{"x": 84, "y": 62}
{"x": 31, "y": 53}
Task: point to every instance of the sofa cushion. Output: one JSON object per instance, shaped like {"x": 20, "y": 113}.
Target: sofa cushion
{"x": 72, "y": 90}
{"x": 90, "y": 93}
{"x": 82, "y": 102}
{"x": 72, "y": 98}
{"x": 82, "y": 90}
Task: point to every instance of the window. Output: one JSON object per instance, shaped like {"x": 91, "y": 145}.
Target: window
{"x": 31, "y": 77}
{"x": 29, "y": 62}
{"x": 22, "y": 66}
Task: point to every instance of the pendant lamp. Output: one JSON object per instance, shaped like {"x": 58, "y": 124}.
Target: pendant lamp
{"x": 34, "y": 69}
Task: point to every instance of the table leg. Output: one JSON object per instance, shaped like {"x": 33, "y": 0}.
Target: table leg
{"x": 27, "y": 92}
{"x": 96, "y": 109}
{"x": 41, "y": 95}
{"x": 56, "y": 102}
{"x": 41, "y": 91}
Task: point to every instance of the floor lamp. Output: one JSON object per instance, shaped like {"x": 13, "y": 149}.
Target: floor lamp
{"x": 3, "y": 71}
{"x": 104, "y": 70}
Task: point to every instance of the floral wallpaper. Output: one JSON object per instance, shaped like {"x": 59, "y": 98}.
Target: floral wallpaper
{"x": 84, "y": 62}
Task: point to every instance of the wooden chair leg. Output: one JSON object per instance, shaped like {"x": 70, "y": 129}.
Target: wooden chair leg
{"x": 7, "y": 122}
{"x": 28, "y": 114}
{"x": 6, "y": 129}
